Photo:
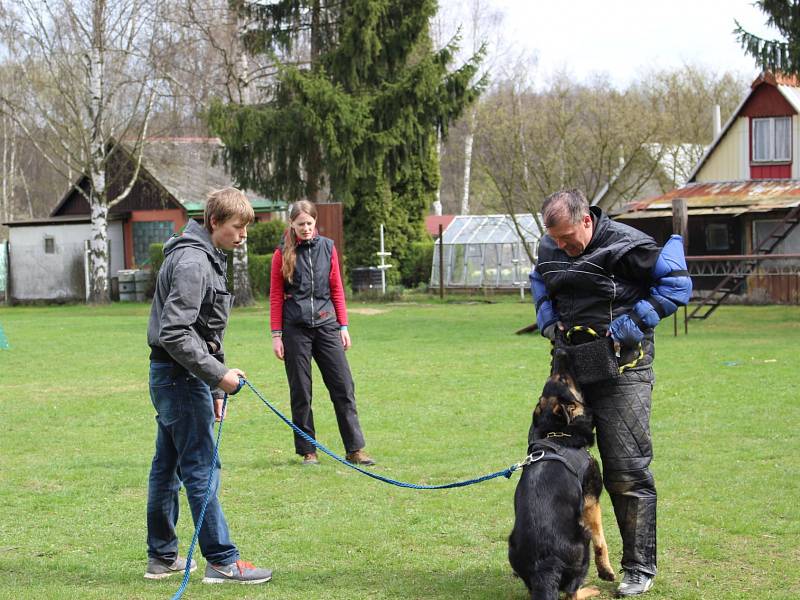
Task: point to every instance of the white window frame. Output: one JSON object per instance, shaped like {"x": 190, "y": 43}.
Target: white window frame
{"x": 772, "y": 149}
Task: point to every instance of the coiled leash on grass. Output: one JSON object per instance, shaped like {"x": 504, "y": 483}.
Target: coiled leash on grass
{"x": 242, "y": 382}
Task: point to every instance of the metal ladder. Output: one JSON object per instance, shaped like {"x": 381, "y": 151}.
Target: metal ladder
{"x": 731, "y": 283}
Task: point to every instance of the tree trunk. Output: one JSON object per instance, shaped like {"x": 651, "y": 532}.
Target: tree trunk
{"x": 242, "y": 289}
{"x": 5, "y": 173}
{"x": 468, "y": 159}
{"x": 98, "y": 251}
{"x": 241, "y": 277}
{"x": 26, "y": 188}
{"x": 98, "y": 193}
{"x": 437, "y": 204}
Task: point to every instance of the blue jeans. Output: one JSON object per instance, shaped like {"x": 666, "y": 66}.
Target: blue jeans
{"x": 184, "y": 452}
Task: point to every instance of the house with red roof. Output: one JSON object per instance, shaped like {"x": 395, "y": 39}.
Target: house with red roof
{"x": 743, "y": 202}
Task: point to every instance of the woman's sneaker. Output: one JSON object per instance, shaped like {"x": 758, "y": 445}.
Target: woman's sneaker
{"x": 634, "y": 583}
{"x": 238, "y": 572}
{"x": 159, "y": 569}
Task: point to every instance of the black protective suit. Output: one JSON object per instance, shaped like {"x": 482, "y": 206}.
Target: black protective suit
{"x": 619, "y": 279}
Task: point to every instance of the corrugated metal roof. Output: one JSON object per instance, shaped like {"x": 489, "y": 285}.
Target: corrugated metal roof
{"x": 729, "y": 197}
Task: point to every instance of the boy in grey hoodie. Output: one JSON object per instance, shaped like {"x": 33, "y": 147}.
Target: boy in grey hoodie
{"x": 187, "y": 325}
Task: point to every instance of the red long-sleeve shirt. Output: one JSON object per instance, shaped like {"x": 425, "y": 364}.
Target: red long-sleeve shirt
{"x": 276, "y": 291}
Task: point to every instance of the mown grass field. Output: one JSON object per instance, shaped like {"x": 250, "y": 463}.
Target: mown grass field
{"x": 445, "y": 392}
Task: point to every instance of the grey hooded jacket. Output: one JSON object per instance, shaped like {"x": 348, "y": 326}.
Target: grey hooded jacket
{"x": 191, "y": 305}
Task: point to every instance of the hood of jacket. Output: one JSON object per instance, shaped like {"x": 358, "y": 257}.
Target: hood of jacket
{"x": 195, "y": 235}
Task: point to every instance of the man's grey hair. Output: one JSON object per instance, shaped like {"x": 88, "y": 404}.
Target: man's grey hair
{"x": 570, "y": 205}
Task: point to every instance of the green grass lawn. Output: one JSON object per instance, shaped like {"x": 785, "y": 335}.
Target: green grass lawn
{"x": 445, "y": 392}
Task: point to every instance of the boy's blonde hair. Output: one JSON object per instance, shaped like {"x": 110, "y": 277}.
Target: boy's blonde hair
{"x": 225, "y": 204}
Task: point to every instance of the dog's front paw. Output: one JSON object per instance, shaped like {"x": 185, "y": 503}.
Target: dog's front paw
{"x": 605, "y": 573}
{"x": 586, "y": 592}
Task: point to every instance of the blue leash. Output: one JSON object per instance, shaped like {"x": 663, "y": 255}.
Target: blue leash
{"x": 505, "y": 472}
{"x": 242, "y": 382}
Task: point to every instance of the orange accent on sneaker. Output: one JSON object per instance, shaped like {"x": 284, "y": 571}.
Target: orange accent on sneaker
{"x": 243, "y": 564}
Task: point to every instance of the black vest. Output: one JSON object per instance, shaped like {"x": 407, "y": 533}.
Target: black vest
{"x": 307, "y": 299}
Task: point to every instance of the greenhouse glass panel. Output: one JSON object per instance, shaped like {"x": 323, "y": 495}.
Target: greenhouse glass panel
{"x": 491, "y": 265}
{"x": 435, "y": 264}
{"x": 486, "y": 251}
{"x": 457, "y": 266}
{"x": 509, "y": 268}
{"x": 474, "y": 265}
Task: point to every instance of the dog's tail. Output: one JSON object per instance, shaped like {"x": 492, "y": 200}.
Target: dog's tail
{"x": 546, "y": 578}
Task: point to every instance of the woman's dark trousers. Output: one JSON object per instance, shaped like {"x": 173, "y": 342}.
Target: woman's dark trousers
{"x": 621, "y": 410}
{"x": 324, "y": 345}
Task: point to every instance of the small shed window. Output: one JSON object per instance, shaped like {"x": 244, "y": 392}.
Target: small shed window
{"x": 717, "y": 237}
{"x": 49, "y": 245}
{"x": 772, "y": 139}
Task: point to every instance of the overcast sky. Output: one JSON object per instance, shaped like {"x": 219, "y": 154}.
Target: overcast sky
{"x": 622, "y": 37}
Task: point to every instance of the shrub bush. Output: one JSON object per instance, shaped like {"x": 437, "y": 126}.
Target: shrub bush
{"x": 417, "y": 267}
{"x": 258, "y": 266}
{"x": 156, "y": 253}
{"x": 264, "y": 237}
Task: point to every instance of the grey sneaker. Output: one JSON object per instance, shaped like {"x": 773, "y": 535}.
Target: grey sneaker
{"x": 238, "y": 572}
{"x": 634, "y": 583}
{"x": 159, "y": 569}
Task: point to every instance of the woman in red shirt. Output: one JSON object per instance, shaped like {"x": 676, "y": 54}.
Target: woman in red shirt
{"x": 308, "y": 319}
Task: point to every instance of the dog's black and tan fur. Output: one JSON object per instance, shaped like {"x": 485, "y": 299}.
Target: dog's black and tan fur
{"x": 555, "y": 517}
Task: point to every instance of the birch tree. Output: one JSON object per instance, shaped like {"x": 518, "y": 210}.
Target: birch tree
{"x": 89, "y": 77}
{"x": 477, "y": 25}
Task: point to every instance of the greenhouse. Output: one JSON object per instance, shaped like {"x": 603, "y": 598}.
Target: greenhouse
{"x": 487, "y": 251}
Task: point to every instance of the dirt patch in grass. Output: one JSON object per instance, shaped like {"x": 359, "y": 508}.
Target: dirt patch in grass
{"x": 367, "y": 311}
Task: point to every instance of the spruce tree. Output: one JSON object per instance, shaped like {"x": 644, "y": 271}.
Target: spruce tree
{"x": 775, "y": 55}
{"x": 357, "y": 121}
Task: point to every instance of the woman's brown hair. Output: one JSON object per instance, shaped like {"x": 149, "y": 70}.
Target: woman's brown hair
{"x": 290, "y": 239}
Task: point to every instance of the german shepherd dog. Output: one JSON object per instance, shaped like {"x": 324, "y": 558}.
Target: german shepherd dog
{"x": 556, "y": 502}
